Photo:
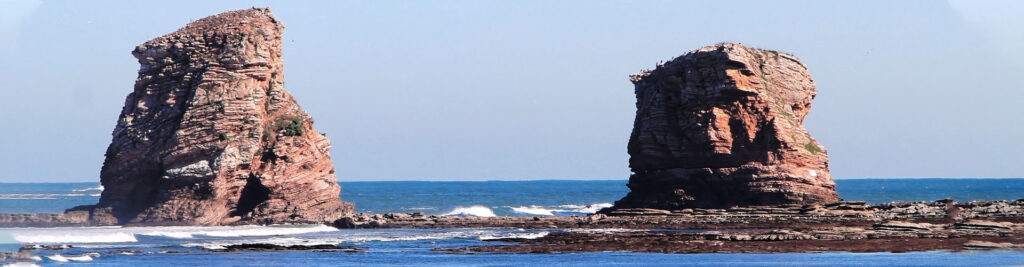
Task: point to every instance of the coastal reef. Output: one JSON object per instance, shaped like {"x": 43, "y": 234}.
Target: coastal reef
{"x": 839, "y": 226}
{"x": 210, "y": 136}
{"x": 722, "y": 126}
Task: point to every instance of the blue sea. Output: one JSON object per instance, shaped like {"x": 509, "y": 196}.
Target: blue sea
{"x": 186, "y": 246}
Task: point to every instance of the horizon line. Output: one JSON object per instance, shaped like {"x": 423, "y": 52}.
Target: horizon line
{"x": 528, "y": 180}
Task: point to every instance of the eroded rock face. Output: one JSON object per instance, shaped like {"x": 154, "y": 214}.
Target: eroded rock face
{"x": 210, "y": 136}
{"x": 722, "y": 126}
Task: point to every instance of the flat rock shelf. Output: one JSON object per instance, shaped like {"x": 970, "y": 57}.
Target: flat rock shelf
{"x": 839, "y": 226}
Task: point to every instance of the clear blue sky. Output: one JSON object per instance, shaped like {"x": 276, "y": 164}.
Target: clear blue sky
{"x": 478, "y": 90}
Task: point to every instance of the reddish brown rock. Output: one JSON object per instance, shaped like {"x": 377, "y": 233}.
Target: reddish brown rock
{"x": 722, "y": 126}
{"x": 210, "y": 136}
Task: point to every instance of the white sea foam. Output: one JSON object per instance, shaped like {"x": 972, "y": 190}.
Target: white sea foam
{"x": 477, "y": 210}
{"x": 592, "y": 208}
{"x": 290, "y": 241}
{"x": 26, "y": 196}
{"x": 73, "y": 236}
{"x": 39, "y": 196}
{"x": 64, "y": 235}
{"x": 79, "y": 258}
{"x": 57, "y": 258}
{"x": 280, "y": 241}
{"x": 569, "y": 208}
{"x": 96, "y": 188}
{"x": 534, "y": 210}
{"x": 60, "y": 258}
{"x": 37, "y": 246}
{"x": 21, "y": 264}
{"x": 515, "y": 235}
{"x": 357, "y": 237}
{"x": 234, "y": 231}
{"x": 169, "y": 234}
{"x": 404, "y": 236}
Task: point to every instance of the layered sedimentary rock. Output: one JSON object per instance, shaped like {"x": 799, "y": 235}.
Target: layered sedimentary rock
{"x": 210, "y": 136}
{"x": 722, "y": 126}
{"x": 837, "y": 226}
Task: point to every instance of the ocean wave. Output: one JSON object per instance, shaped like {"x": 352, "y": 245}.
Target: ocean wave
{"x": 39, "y": 196}
{"x": 186, "y": 232}
{"x": 515, "y": 235}
{"x": 568, "y": 208}
{"x": 280, "y": 241}
{"x": 534, "y": 210}
{"x": 60, "y": 258}
{"x": 358, "y": 237}
{"x": 57, "y": 258}
{"x": 413, "y": 236}
{"x": 95, "y": 188}
{"x": 74, "y": 236}
{"x": 289, "y": 241}
{"x": 591, "y": 208}
{"x": 130, "y": 234}
{"x": 22, "y": 264}
{"x": 37, "y": 246}
{"x": 476, "y": 210}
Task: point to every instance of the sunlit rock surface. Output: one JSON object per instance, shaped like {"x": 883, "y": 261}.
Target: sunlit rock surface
{"x": 722, "y": 126}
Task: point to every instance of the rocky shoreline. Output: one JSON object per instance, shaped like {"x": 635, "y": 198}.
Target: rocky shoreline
{"x": 776, "y": 241}
{"x": 837, "y": 214}
{"x": 840, "y": 226}
{"x": 850, "y": 226}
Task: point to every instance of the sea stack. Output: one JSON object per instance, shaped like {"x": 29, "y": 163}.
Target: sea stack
{"x": 210, "y": 136}
{"x": 722, "y": 126}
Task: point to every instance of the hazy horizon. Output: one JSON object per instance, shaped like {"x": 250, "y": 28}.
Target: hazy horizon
{"x": 537, "y": 90}
{"x": 535, "y": 180}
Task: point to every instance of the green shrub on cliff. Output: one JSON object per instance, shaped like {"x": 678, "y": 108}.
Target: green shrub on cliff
{"x": 811, "y": 147}
{"x": 290, "y": 126}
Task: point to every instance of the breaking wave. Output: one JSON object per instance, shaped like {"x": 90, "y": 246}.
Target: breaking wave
{"x": 81, "y": 192}
{"x": 591, "y": 208}
{"x": 358, "y": 237}
{"x": 95, "y": 188}
{"x": 79, "y": 258}
{"x": 551, "y": 211}
{"x": 281, "y": 241}
{"x": 38, "y": 196}
{"x": 515, "y": 235}
{"x": 185, "y": 232}
{"x": 477, "y": 211}
{"x": 534, "y": 210}
{"x": 74, "y": 236}
{"x": 130, "y": 234}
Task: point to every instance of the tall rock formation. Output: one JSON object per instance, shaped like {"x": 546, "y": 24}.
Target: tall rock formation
{"x": 211, "y": 137}
{"x": 722, "y": 126}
